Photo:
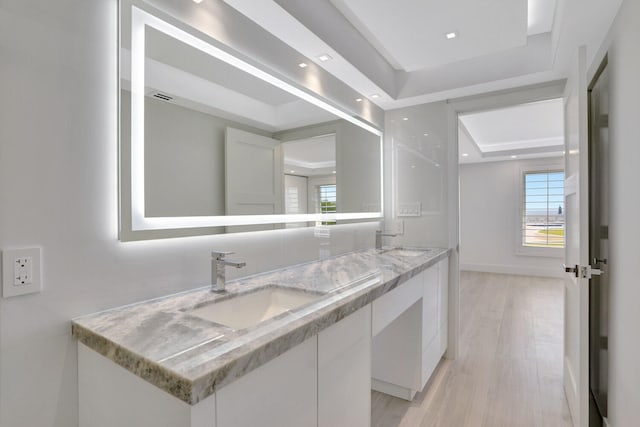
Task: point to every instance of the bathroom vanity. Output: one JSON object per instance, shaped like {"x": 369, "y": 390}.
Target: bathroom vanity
{"x": 328, "y": 331}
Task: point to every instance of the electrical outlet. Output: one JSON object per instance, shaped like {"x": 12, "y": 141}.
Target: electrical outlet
{"x": 21, "y": 272}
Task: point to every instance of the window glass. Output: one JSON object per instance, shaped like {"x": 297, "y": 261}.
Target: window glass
{"x": 543, "y": 210}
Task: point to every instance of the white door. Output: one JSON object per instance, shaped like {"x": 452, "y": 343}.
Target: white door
{"x": 576, "y": 290}
{"x": 254, "y": 174}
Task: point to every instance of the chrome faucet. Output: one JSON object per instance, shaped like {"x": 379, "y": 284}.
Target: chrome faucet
{"x": 218, "y": 270}
{"x": 379, "y": 235}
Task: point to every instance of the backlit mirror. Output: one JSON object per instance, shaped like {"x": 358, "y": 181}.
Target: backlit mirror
{"x": 211, "y": 143}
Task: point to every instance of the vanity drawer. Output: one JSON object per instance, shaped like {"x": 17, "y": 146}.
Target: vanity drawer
{"x": 390, "y": 306}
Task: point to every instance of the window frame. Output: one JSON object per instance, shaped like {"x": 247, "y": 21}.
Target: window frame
{"x": 521, "y": 249}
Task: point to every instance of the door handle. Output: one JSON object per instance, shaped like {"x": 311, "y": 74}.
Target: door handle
{"x": 572, "y": 269}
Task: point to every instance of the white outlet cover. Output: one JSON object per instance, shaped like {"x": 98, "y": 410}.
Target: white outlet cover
{"x": 10, "y": 287}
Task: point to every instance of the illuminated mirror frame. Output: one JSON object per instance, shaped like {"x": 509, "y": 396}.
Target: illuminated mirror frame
{"x": 139, "y": 20}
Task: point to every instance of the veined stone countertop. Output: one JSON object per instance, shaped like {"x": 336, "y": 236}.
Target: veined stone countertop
{"x": 189, "y": 357}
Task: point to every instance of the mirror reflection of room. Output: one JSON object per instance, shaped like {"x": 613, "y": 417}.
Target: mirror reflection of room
{"x": 219, "y": 141}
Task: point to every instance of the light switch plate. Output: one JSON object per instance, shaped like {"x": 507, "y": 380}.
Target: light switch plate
{"x": 21, "y": 272}
{"x": 410, "y": 209}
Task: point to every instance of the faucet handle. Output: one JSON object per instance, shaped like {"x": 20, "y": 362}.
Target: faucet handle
{"x": 220, "y": 254}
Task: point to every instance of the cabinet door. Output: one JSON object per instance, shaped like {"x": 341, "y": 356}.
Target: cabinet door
{"x": 280, "y": 393}
{"x": 430, "y": 303}
{"x": 109, "y": 395}
{"x": 344, "y": 372}
{"x": 430, "y": 323}
{"x": 443, "y": 267}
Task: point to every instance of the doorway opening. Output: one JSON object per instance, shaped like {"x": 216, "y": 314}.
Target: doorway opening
{"x": 511, "y": 174}
{"x": 512, "y": 238}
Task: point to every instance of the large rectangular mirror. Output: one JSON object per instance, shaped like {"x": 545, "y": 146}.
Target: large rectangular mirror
{"x": 211, "y": 143}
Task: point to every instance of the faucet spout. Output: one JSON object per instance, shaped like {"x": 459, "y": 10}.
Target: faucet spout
{"x": 218, "y": 269}
{"x": 233, "y": 263}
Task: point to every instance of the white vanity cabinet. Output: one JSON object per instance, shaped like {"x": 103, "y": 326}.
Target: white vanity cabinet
{"x": 324, "y": 381}
{"x": 410, "y": 332}
{"x": 434, "y": 318}
{"x": 396, "y": 320}
{"x": 280, "y": 393}
{"x": 391, "y": 345}
{"x": 109, "y": 396}
{"x": 344, "y": 372}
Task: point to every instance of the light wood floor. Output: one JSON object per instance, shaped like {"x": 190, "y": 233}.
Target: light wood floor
{"x": 509, "y": 371}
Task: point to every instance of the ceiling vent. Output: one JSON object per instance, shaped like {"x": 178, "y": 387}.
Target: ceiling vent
{"x": 162, "y": 96}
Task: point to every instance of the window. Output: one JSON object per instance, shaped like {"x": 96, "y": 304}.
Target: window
{"x": 543, "y": 210}
{"x": 327, "y": 197}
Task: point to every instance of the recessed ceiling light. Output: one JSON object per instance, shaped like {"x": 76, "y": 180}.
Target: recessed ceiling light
{"x": 197, "y": 1}
{"x": 292, "y": 171}
{"x": 303, "y": 65}
{"x": 333, "y": 171}
{"x": 437, "y": 165}
{"x": 425, "y": 134}
{"x": 358, "y": 99}
{"x": 451, "y": 35}
{"x": 465, "y": 154}
{"x": 405, "y": 118}
{"x": 514, "y": 157}
{"x": 324, "y": 57}
{"x": 375, "y": 96}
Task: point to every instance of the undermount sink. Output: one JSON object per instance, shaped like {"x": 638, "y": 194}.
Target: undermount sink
{"x": 246, "y": 310}
{"x": 406, "y": 252}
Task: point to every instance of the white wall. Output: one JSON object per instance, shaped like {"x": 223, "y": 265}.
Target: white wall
{"x": 624, "y": 231}
{"x": 416, "y": 166}
{"x": 58, "y": 190}
{"x": 490, "y": 219}
{"x": 420, "y": 157}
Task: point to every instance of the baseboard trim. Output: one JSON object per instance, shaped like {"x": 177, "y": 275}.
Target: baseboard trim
{"x": 510, "y": 269}
{"x": 392, "y": 389}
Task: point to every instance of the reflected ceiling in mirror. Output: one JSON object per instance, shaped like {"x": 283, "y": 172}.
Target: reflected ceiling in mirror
{"x": 189, "y": 112}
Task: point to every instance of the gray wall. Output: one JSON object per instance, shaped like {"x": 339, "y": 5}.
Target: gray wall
{"x": 184, "y": 158}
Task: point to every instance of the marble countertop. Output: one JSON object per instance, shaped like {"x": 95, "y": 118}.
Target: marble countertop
{"x": 190, "y": 357}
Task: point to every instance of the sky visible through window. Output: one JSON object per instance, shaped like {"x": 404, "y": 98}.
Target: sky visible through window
{"x": 543, "y": 221}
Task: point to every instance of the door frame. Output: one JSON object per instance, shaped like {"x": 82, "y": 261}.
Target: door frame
{"x": 601, "y": 66}
{"x": 455, "y": 107}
